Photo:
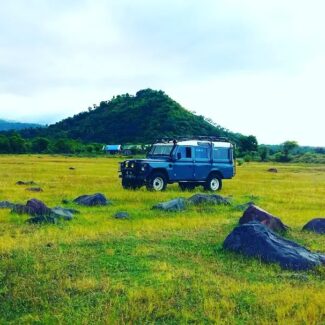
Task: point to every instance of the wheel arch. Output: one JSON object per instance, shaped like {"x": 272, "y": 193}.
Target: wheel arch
{"x": 159, "y": 170}
{"x": 217, "y": 173}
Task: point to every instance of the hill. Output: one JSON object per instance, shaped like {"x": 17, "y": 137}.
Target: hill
{"x": 142, "y": 118}
{"x": 10, "y": 125}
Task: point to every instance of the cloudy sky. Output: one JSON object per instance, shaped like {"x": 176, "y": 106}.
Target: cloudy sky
{"x": 253, "y": 66}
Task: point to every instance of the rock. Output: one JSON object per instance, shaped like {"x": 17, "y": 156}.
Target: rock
{"x": 34, "y": 189}
{"x": 243, "y": 207}
{"x": 91, "y": 200}
{"x": 61, "y": 213}
{"x": 272, "y": 170}
{"x": 197, "y": 199}
{"x": 316, "y": 225}
{"x": 121, "y": 215}
{"x": 73, "y": 211}
{"x": 65, "y": 201}
{"x": 21, "y": 209}
{"x": 255, "y": 213}
{"x": 6, "y": 205}
{"x": 256, "y": 240}
{"x": 72, "y": 168}
{"x": 25, "y": 183}
{"x": 177, "y": 204}
{"x": 42, "y": 219}
{"x": 38, "y": 208}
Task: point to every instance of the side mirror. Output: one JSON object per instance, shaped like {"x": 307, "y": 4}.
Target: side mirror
{"x": 179, "y": 156}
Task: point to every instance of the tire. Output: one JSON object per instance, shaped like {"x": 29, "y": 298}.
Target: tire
{"x": 186, "y": 186}
{"x": 157, "y": 182}
{"x": 213, "y": 183}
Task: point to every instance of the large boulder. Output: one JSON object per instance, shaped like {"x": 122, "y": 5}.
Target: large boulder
{"x": 91, "y": 200}
{"x": 316, "y": 225}
{"x": 255, "y": 213}
{"x": 200, "y": 198}
{"x": 256, "y": 240}
{"x": 177, "y": 204}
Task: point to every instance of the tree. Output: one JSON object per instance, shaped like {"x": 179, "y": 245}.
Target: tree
{"x": 248, "y": 143}
{"x": 289, "y": 146}
{"x": 263, "y": 152}
{"x": 40, "y": 144}
{"x": 4, "y": 144}
{"x": 17, "y": 143}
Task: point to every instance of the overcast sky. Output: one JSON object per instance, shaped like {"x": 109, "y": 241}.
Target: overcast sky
{"x": 253, "y": 66}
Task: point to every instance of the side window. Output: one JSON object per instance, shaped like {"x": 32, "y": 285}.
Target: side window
{"x": 221, "y": 154}
{"x": 201, "y": 153}
{"x": 185, "y": 152}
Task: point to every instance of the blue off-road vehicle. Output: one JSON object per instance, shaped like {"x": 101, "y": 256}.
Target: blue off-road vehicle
{"x": 190, "y": 162}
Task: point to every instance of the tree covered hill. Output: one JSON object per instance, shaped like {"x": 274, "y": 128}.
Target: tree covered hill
{"x": 142, "y": 118}
{"x": 9, "y": 125}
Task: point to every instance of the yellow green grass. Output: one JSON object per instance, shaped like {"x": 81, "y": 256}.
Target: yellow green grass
{"x": 156, "y": 267}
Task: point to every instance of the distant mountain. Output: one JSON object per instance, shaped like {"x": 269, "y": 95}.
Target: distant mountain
{"x": 142, "y": 118}
{"x": 10, "y": 125}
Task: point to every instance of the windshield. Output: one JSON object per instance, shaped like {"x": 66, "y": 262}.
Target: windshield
{"x": 161, "y": 150}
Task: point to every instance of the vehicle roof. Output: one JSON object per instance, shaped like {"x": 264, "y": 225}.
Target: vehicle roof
{"x": 221, "y": 144}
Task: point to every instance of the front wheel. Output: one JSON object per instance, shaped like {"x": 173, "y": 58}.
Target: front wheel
{"x": 213, "y": 183}
{"x": 157, "y": 182}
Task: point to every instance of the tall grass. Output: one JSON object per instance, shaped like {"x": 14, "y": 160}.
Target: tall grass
{"x": 155, "y": 267}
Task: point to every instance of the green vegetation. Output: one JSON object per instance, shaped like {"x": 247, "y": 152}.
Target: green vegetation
{"x": 155, "y": 267}
{"x": 7, "y": 125}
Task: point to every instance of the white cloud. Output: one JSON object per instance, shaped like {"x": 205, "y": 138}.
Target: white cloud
{"x": 253, "y": 66}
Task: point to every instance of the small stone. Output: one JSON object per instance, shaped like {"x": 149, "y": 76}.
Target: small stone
{"x": 272, "y": 170}
{"x": 25, "y": 183}
{"x": 72, "y": 168}
{"x": 121, "y": 215}
{"x": 34, "y": 189}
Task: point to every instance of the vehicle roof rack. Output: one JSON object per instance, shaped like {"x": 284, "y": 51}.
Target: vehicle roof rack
{"x": 188, "y": 138}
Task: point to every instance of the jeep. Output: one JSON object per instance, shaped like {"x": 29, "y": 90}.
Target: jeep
{"x": 190, "y": 162}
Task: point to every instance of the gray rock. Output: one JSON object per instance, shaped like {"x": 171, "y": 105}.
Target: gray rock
{"x": 255, "y": 213}
{"x": 61, "y": 213}
{"x": 121, "y": 215}
{"x": 316, "y": 225}
{"x": 272, "y": 170}
{"x": 92, "y": 200}
{"x": 199, "y": 198}
{"x": 38, "y": 208}
{"x": 256, "y": 240}
{"x": 6, "y": 205}
{"x": 21, "y": 209}
{"x": 177, "y": 204}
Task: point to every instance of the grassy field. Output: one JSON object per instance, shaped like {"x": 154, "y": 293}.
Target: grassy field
{"x": 155, "y": 267}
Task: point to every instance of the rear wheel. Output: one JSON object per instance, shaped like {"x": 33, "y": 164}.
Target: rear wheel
{"x": 213, "y": 183}
{"x": 186, "y": 186}
{"x": 157, "y": 182}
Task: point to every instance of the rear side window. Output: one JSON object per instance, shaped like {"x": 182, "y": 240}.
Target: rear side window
{"x": 221, "y": 154}
{"x": 201, "y": 153}
{"x": 186, "y": 152}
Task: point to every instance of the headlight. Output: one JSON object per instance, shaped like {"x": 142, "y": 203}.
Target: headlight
{"x": 127, "y": 164}
{"x": 132, "y": 165}
{"x": 143, "y": 167}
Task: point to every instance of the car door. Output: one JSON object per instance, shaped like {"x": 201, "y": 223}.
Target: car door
{"x": 202, "y": 162}
{"x": 183, "y": 168}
